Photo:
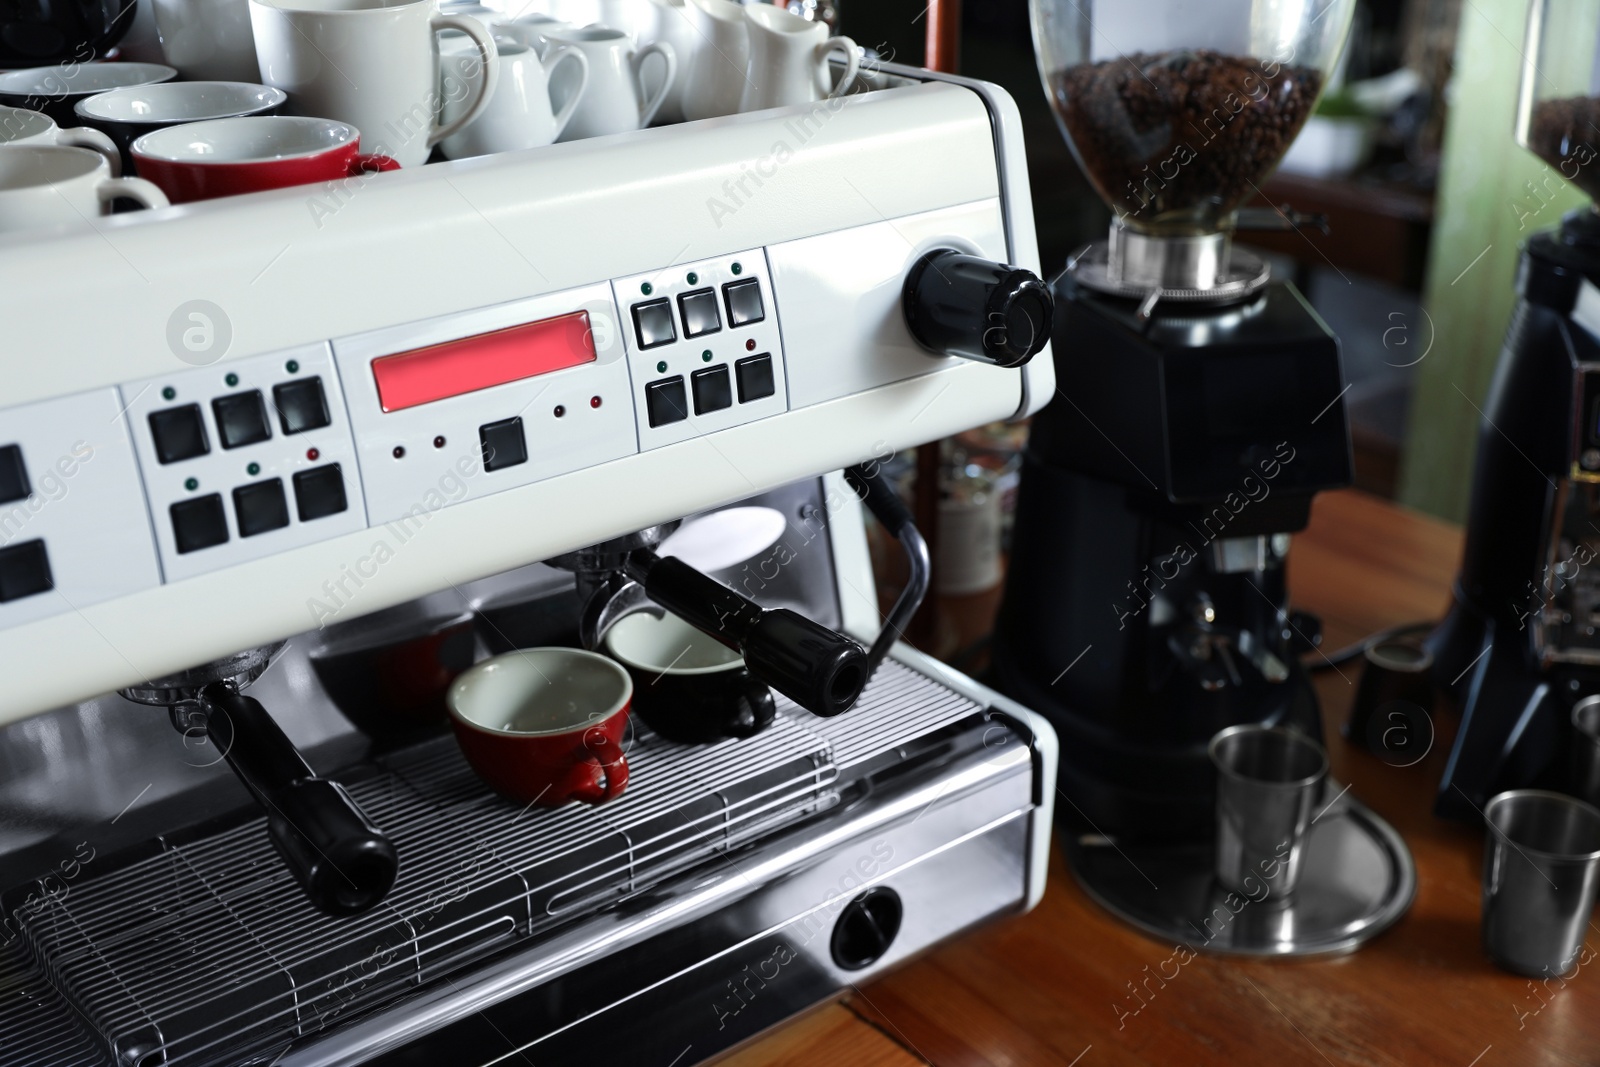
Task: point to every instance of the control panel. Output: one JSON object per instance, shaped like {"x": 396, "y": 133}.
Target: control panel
{"x": 704, "y": 347}
{"x": 252, "y": 457}
{"x": 469, "y": 405}
{"x": 245, "y": 459}
{"x": 73, "y": 526}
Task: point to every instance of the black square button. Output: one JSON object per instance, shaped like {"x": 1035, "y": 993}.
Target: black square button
{"x": 652, "y": 321}
{"x": 755, "y": 377}
{"x": 712, "y": 391}
{"x": 666, "y": 400}
{"x": 319, "y": 492}
{"x": 301, "y": 405}
{"x": 260, "y": 507}
{"x": 199, "y": 523}
{"x": 24, "y": 571}
{"x": 241, "y": 419}
{"x": 744, "y": 302}
{"x": 180, "y": 433}
{"x": 13, "y": 475}
{"x": 504, "y": 444}
{"x": 699, "y": 312}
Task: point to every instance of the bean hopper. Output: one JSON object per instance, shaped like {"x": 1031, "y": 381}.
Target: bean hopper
{"x": 1198, "y": 411}
{"x": 1519, "y": 648}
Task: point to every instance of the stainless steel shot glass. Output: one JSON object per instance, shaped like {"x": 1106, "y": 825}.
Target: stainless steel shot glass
{"x": 1269, "y": 780}
{"x": 1586, "y": 749}
{"x": 1541, "y": 870}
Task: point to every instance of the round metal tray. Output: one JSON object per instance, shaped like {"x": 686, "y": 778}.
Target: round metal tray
{"x": 1358, "y": 880}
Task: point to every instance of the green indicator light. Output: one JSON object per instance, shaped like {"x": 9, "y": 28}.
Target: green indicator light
{"x": 192, "y": 484}
{"x": 253, "y": 470}
{"x": 293, "y": 366}
{"x": 169, "y": 393}
{"x": 231, "y": 380}
{"x": 661, "y": 368}
{"x": 706, "y": 356}
{"x": 738, "y": 269}
{"x": 694, "y": 279}
{"x": 647, "y": 288}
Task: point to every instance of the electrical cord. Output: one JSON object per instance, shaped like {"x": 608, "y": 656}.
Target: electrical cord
{"x": 1344, "y": 655}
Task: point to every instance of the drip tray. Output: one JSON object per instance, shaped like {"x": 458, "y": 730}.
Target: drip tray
{"x": 206, "y": 951}
{"x": 1358, "y": 879}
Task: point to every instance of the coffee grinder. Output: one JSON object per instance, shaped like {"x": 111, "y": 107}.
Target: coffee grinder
{"x": 1198, "y": 409}
{"x": 1521, "y": 644}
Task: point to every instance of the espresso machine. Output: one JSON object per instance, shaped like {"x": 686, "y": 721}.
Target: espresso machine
{"x": 291, "y": 473}
{"x": 1199, "y": 409}
{"x": 1519, "y": 646}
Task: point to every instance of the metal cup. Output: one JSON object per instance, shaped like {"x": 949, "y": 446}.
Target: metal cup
{"x": 1541, "y": 870}
{"x": 1269, "y": 780}
{"x": 1585, "y": 782}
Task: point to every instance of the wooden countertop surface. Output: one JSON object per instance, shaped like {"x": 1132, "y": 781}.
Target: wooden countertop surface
{"x": 1044, "y": 988}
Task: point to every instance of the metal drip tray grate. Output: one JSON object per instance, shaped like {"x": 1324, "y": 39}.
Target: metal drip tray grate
{"x": 205, "y": 952}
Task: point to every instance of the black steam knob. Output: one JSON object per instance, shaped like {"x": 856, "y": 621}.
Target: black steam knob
{"x": 866, "y": 928}
{"x": 959, "y": 305}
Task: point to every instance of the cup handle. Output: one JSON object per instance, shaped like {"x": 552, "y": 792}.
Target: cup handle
{"x": 613, "y": 762}
{"x": 370, "y": 164}
{"x": 491, "y": 70}
{"x": 852, "y": 61}
{"x": 663, "y": 49}
{"x": 554, "y": 60}
{"x": 95, "y": 141}
{"x": 758, "y": 698}
{"x": 148, "y": 194}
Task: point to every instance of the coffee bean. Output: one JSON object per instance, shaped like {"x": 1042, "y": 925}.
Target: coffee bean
{"x": 1176, "y": 141}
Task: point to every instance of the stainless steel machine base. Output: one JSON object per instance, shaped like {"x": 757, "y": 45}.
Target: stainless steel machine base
{"x": 1359, "y": 879}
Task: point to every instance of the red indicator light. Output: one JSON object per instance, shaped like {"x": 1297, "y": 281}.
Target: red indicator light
{"x": 313, "y": 455}
{"x": 750, "y": 345}
{"x": 594, "y": 401}
{"x": 451, "y": 369}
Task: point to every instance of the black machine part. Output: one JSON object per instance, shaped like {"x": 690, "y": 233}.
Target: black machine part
{"x": 819, "y": 669}
{"x": 972, "y": 308}
{"x": 1146, "y": 606}
{"x": 341, "y": 860}
{"x": 1498, "y": 652}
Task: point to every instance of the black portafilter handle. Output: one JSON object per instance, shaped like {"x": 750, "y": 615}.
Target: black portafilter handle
{"x": 972, "y": 308}
{"x": 820, "y": 670}
{"x": 342, "y": 861}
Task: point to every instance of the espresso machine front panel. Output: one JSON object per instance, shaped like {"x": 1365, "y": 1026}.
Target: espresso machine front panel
{"x": 519, "y": 357}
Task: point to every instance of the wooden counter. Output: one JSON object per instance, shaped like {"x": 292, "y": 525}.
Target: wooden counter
{"x": 1045, "y": 988}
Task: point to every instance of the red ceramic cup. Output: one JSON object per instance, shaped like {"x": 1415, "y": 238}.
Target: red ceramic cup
{"x": 224, "y": 157}
{"x": 545, "y": 725}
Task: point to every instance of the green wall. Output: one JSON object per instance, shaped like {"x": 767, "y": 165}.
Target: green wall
{"x": 1484, "y": 202}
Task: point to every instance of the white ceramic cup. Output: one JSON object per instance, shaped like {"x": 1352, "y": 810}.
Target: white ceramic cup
{"x": 373, "y": 64}
{"x": 714, "y": 73}
{"x": 519, "y": 114}
{"x": 47, "y": 185}
{"x": 208, "y": 40}
{"x": 789, "y": 60}
{"x": 614, "y": 101}
{"x": 22, "y": 127}
{"x": 671, "y": 24}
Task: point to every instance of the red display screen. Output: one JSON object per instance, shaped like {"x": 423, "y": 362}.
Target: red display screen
{"x": 438, "y": 372}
